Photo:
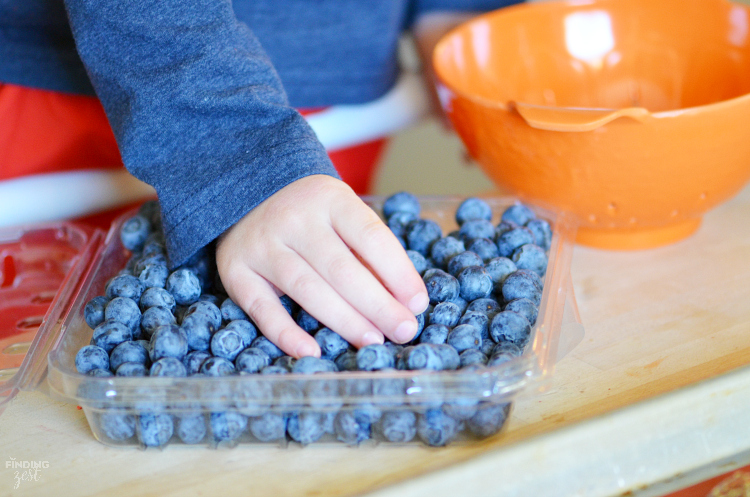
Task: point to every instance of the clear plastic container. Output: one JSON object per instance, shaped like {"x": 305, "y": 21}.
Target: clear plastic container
{"x": 40, "y": 269}
{"x": 236, "y": 409}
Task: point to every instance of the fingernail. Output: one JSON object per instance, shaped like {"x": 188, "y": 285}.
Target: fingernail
{"x": 307, "y": 349}
{"x": 419, "y": 303}
{"x": 372, "y": 338}
{"x": 405, "y": 332}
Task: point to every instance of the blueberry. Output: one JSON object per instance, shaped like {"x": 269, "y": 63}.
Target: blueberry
{"x": 394, "y": 348}
{"x": 158, "y": 258}
{"x": 251, "y": 360}
{"x": 93, "y": 313}
{"x": 508, "y": 242}
{"x": 150, "y": 210}
{"x": 184, "y": 286}
{"x": 347, "y": 361}
{"x": 508, "y": 348}
{"x": 518, "y": 213}
{"x": 460, "y": 302}
{"x": 472, "y": 356}
{"x": 434, "y": 333}
{"x": 153, "y": 297}
{"x": 193, "y": 361}
{"x": 207, "y": 309}
{"x": 231, "y": 311}
{"x": 129, "y": 351}
{"x": 487, "y": 345}
{"x": 499, "y": 268}
{"x": 306, "y": 427}
{"x": 110, "y": 334}
{"x": 524, "y": 307}
{"x": 399, "y": 221}
{"x": 274, "y": 370}
{"x": 509, "y": 326}
{"x": 485, "y": 248}
{"x": 198, "y": 331}
{"x": 474, "y": 283}
{"x": 168, "y": 341}
{"x": 100, "y": 373}
{"x": 217, "y": 366}
{"x": 154, "y": 275}
{"x": 191, "y": 428}
{"x": 463, "y": 260}
{"x": 135, "y": 369}
{"x": 478, "y": 228}
{"x": 268, "y": 347}
{"x": 311, "y": 365}
{"x": 424, "y": 356}
{"x": 477, "y": 319}
{"x": 471, "y": 209}
{"x": 441, "y": 286}
{"x": 226, "y": 343}
{"x": 397, "y": 426}
{"x": 153, "y": 317}
{"x": 124, "y": 285}
{"x": 307, "y": 322}
{"x": 542, "y": 232}
{"x": 227, "y": 425}
{"x": 435, "y": 428}
{"x": 168, "y": 366}
{"x": 287, "y": 362}
{"x": 461, "y": 408}
{"x": 116, "y": 426}
{"x": 444, "y": 249}
{"x": 349, "y": 429}
{"x": 421, "y": 234}
{"x": 155, "y": 430}
{"x": 531, "y": 257}
{"x": 374, "y": 357}
{"x": 401, "y": 202}
{"x": 331, "y": 343}
{"x": 446, "y": 313}
{"x": 448, "y": 356}
{"x": 488, "y": 420}
{"x": 288, "y": 304}
{"x": 134, "y": 231}
{"x": 268, "y": 427}
{"x": 488, "y": 306}
{"x": 464, "y": 337}
{"x": 522, "y": 284}
{"x": 420, "y": 262}
{"x": 126, "y": 311}
{"x": 246, "y": 330}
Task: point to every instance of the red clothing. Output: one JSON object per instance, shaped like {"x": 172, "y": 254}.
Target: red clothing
{"x": 44, "y": 131}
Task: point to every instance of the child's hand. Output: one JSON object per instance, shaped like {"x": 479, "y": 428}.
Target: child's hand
{"x": 317, "y": 242}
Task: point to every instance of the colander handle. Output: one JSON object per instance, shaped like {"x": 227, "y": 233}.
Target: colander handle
{"x": 574, "y": 119}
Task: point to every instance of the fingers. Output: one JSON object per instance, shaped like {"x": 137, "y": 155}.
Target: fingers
{"x": 299, "y": 280}
{"x": 374, "y": 242}
{"x": 361, "y": 300}
{"x": 259, "y": 300}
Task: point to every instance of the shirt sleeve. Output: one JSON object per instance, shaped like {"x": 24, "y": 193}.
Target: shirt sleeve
{"x": 197, "y": 109}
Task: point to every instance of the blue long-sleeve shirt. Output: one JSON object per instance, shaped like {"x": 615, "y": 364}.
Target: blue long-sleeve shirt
{"x": 193, "y": 88}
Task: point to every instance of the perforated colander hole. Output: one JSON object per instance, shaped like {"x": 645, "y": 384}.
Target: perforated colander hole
{"x": 29, "y": 323}
{"x": 17, "y": 348}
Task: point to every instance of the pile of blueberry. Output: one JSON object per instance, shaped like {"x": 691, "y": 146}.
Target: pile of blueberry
{"x": 485, "y": 286}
